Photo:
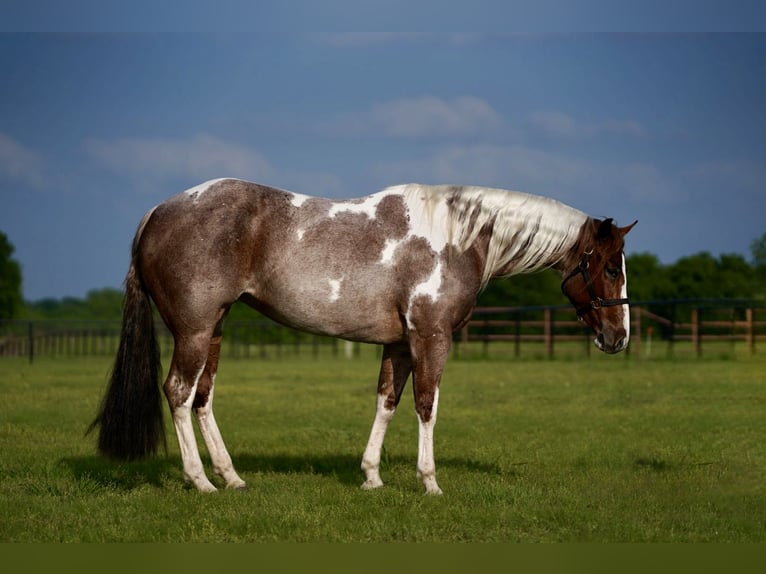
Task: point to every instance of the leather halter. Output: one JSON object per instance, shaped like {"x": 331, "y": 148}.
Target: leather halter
{"x": 595, "y": 302}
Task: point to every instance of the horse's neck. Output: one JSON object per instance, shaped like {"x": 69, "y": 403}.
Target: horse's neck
{"x": 539, "y": 234}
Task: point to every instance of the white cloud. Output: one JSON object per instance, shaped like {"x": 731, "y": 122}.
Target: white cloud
{"x": 576, "y": 181}
{"x": 425, "y": 116}
{"x": 559, "y": 125}
{"x": 152, "y": 161}
{"x": 740, "y": 174}
{"x": 201, "y": 156}
{"x": 519, "y": 167}
{"x": 20, "y": 163}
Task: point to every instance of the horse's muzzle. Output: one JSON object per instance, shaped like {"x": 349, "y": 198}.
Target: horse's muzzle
{"x": 612, "y": 343}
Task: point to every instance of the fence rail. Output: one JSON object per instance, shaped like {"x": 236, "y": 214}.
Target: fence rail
{"x": 698, "y": 325}
{"x": 542, "y": 331}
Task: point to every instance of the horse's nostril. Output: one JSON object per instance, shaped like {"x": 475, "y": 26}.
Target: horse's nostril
{"x": 600, "y": 339}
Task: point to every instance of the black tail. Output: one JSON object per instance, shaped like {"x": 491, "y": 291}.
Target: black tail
{"x": 130, "y": 420}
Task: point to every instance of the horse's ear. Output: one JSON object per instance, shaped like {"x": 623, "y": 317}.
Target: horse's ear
{"x": 604, "y": 231}
{"x": 624, "y": 230}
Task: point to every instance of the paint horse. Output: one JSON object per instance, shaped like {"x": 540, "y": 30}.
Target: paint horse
{"x": 401, "y": 268}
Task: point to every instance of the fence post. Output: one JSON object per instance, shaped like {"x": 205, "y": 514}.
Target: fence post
{"x": 463, "y": 341}
{"x": 637, "y": 330}
{"x": 749, "y": 336}
{"x": 548, "y": 331}
{"x": 696, "y": 331}
{"x": 31, "y": 343}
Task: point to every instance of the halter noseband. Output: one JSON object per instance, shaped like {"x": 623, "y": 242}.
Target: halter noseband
{"x": 595, "y": 302}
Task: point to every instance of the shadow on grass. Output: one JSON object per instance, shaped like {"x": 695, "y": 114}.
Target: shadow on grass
{"x": 159, "y": 471}
{"x": 651, "y": 463}
{"x": 122, "y": 475}
{"x": 346, "y": 468}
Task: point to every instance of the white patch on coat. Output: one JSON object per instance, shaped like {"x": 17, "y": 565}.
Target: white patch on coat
{"x": 429, "y": 215}
{"x": 430, "y": 286}
{"x": 366, "y": 206}
{"x": 298, "y": 199}
{"x": 387, "y": 255}
{"x": 196, "y": 191}
{"x": 334, "y": 289}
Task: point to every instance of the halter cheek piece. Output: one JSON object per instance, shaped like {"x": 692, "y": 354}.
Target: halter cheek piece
{"x": 595, "y": 302}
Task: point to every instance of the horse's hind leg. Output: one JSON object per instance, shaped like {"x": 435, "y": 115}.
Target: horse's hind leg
{"x": 189, "y": 358}
{"x": 395, "y": 368}
{"x": 203, "y": 409}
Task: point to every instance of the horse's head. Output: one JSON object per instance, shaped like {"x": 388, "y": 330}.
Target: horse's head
{"x": 596, "y": 284}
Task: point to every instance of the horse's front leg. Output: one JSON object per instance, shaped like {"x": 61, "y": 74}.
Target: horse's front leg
{"x": 429, "y": 352}
{"x": 395, "y": 368}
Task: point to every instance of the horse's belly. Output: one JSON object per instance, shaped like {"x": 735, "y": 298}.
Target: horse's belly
{"x": 366, "y": 320}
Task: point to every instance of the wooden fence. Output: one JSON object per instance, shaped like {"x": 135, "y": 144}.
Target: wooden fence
{"x": 659, "y": 328}
{"x": 690, "y": 329}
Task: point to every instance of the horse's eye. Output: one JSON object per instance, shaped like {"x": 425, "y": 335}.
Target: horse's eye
{"x": 613, "y": 272}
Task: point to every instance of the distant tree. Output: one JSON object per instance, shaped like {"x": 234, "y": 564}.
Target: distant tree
{"x": 695, "y": 276}
{"x": 10, "y": 280}
{"x": 541, "y": 288}
{"x": 736, "y": 278}
{"x": 104, "y": 304}
{"x": 99, "y": 304}
{"x": 702, "y": 276}
{"x": 648, "y": 279}
{"x": 758, "y": 250}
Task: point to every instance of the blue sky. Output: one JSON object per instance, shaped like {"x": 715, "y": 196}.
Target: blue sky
{"x": 95, "y": 129}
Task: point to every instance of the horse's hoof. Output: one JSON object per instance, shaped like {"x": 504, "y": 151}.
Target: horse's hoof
{"x": 239, "y": 486}
{"x": 372, "y": 484}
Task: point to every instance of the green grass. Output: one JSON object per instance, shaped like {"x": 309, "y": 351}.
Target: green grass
{"x": 605, "y": 449}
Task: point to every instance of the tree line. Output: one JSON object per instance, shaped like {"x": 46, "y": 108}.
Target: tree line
{"x": 699, "y": 276}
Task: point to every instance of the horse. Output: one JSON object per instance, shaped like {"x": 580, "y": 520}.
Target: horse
{"x": 401, "y": 268}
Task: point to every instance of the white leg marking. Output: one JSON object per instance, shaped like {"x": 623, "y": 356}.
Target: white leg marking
{"x": 426, "y": 471}
{"x": 192, "y": 463}
{"x": 371, "y": 457}
{"x": 222, "y": 464}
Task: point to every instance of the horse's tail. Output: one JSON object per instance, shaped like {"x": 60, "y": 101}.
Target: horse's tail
{"x": 130, "y": 419}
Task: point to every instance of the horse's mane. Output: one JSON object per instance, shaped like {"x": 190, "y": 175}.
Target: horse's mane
{"x": 527, "y": 232}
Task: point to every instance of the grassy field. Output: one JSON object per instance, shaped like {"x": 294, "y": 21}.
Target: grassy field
{"x": 605, "y": 449}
